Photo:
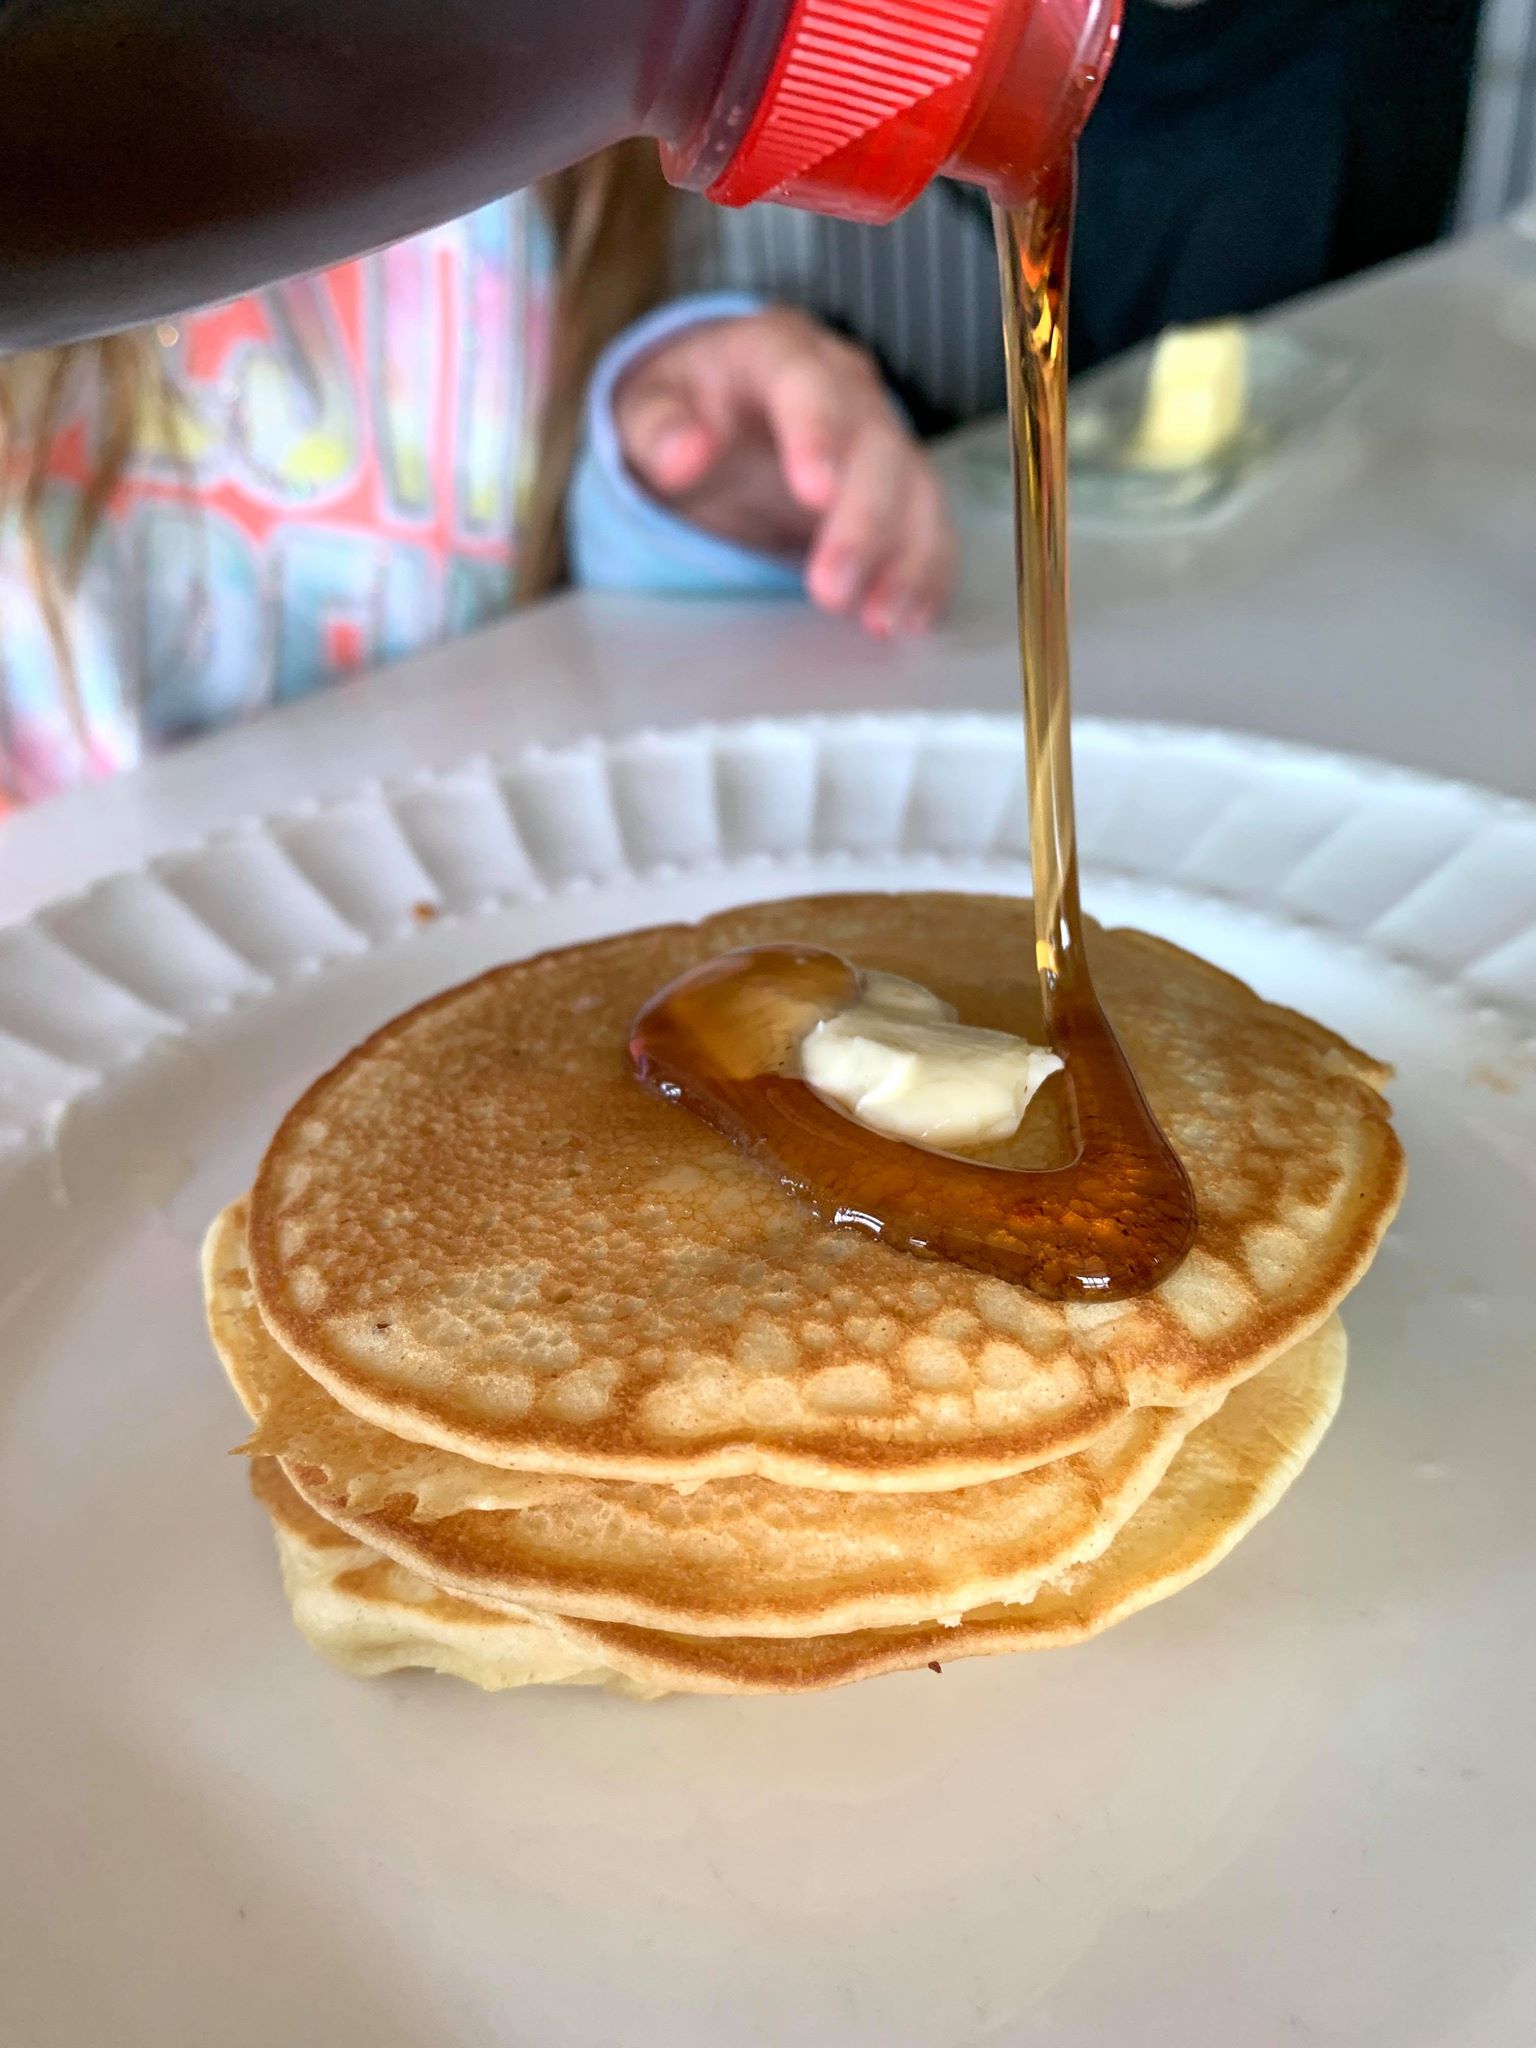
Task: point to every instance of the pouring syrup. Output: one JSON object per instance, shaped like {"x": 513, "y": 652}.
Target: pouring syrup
{"x": 722, "y": 1040}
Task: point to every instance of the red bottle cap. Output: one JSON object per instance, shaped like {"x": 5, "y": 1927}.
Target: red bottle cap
{"x": 867, "y": 100}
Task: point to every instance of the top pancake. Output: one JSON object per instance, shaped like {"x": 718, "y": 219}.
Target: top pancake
{"x": 478, "y": 1232}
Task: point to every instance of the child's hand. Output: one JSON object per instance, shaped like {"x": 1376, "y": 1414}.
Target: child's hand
{"x": 775, "y": 433}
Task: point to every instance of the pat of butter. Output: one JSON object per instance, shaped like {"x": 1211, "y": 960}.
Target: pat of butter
{"x": 899, "y": 1062}
{"x": 1197, "y": 397}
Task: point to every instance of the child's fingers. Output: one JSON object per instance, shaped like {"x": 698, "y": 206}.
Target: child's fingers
{"x": 912, "y": 588}
{"x": 715, "y": 405}
{"x": 817, "y": 395}
{"x": 862, "y": 520}
{"x": 665, "y": 439}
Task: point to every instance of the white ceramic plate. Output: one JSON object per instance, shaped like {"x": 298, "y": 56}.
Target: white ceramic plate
{"x": 1298, "y": 1802}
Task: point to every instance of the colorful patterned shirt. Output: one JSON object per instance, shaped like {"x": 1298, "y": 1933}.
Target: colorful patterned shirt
{"x": 341, "y": 484}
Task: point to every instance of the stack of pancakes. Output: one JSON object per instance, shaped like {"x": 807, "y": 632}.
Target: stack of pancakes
{"x": 550, "y": 1383}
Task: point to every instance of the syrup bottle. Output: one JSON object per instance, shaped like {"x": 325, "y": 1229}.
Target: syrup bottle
{"x": 160, "y": 154}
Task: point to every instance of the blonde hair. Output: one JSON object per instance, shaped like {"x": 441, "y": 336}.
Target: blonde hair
{"x": 612, "y": 218}
{"x": 35, "y": 392}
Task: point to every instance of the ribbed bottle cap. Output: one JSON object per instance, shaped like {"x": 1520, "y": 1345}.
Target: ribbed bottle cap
{"x": 865, "y": 101}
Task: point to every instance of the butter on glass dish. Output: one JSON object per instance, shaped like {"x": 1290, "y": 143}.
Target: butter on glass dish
{"x": 1187, "y": 429}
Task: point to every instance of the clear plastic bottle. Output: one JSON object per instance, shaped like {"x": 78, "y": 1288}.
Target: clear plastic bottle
{"x": 157, "y": 154}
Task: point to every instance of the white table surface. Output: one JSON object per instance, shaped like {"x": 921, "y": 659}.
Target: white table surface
{"x": 1382, "y": 599}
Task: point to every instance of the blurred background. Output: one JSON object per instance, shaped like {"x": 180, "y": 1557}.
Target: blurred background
{"x": 1241, "y": 154}
{"x": 586, "y": 382}
{"x": 1500, "y": 170}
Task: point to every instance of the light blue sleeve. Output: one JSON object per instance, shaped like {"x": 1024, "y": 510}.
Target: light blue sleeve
{"x": 621, "y": 538}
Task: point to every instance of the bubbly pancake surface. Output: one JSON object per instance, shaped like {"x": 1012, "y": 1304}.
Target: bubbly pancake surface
{"x": 479, "y": 1233}
{"x": 728, "y": 1556}
{"x": 369, "y": 1615}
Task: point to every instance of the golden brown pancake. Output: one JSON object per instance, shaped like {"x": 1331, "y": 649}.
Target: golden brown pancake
{"x": 730, "y": 1556}
{"x": 369, "y": 1615}
{"x": 479, "y": 1233}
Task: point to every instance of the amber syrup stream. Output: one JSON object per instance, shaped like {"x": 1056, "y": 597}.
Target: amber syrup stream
{"x": 722, "y": 1040}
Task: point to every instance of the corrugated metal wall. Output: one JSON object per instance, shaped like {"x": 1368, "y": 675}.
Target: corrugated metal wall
{"x": 1501, "y": 153}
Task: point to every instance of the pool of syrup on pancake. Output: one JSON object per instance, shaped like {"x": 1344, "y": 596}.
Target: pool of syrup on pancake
{"x": 1119, "y": 1214}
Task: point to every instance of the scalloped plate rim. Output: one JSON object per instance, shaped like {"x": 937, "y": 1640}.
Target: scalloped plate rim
{"x": 922, "y": 732}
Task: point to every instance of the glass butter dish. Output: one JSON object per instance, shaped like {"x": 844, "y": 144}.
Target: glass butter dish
{"x": 1182, "y": 431}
